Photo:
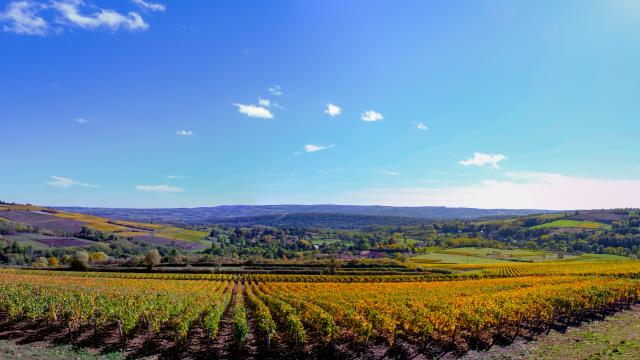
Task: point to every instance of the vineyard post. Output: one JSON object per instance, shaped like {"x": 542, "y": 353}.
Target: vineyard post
{"x": 70, "y": 329}
{"x": 268, "y": 341}
{"x": 120, "y": 330}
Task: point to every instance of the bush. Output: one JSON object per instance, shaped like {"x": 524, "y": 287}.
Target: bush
{"x": 98, "y": 257}
{"x": 152, "y": 258}
{"x": 53, "y": 261}
{"x": 80, "y": 261}
{"x": 66, "y": 259}
{"x": 40, "y": 262}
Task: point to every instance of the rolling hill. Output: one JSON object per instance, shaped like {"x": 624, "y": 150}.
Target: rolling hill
{"x": 236, "y": 213}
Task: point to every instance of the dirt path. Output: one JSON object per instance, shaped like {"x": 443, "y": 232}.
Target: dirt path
{"x": 221, "y": 347}
{"x": 616, "y": 337}
{"x": 253, "y": 346}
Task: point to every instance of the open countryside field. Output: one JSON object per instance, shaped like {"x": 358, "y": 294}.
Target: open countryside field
{"x": 577, "y": 224}
{"x": 447, "y": 258}
{"x": 470, "y": 255}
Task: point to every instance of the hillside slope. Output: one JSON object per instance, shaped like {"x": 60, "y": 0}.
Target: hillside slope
{"x": 225, "y": 212}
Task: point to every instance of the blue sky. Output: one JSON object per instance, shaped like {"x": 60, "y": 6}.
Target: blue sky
{"x": 520, "y": 104}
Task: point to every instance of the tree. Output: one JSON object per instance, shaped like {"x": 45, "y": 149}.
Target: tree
{"x": 53, "y": 261}
{"x": 98, "y": 257}
{"x": 66, "y": 259}
{"x": 40, "y": 262}
{"x": 80, "y": 261}
{"x": 152, "y": 258}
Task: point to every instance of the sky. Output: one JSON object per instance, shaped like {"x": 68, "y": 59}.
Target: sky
{"x": 484, "y": 103}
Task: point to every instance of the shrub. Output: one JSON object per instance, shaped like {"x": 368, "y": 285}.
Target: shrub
{"x": 53, "y": 261}
{"x": 80, "y": 261}
{"x": 40, "y": 262}
{"x": 152, "y": 258}
{"x": 98, "y": 257}
{"x": 66, "y": 259}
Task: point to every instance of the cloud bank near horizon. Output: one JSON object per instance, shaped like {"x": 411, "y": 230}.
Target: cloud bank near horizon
{"x": 519, "y": 190}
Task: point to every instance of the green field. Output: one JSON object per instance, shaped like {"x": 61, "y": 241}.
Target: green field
{"x": 490, "y": 252}
{"x": 469, "y": 255}
{"x": 172, "y": 232}
{"x": 574, "y": 224}
{"x": 444, "y": 258}
{"x": 324, "y": 241}
{"x": 596, "y": 258}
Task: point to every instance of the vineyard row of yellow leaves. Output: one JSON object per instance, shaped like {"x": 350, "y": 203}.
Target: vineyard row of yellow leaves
{"x": 420, "y": 311}
{"x": 442, "y": 272}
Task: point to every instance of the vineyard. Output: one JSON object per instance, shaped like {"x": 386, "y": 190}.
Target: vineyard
{"x": 340, "y": 316}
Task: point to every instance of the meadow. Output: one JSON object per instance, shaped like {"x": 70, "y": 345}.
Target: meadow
{"x": 577, "y": 224}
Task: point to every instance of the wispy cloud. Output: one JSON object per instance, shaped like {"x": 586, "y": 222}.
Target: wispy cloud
{"x": 276, "y": 90}
{"x": 520, "y": 190}
{"x": 371, "y": 116}
{"x": 313, "y": 148}
{"x": 184, "y": 132}
{"x": 30, "y": 17}
{"x": 480, "y": 159}
{"x": 63, "y": 182}
{"x": 420, "y": 125}
{"x": 21, "y": 17}
{"x": 264, "y": 102}
{"x": 159, "y": 188}
{"x": 175, "y": 177}
{"x": 71, "y": 13}
{"x": 391, "y": 173}
{"x": 82, "y": 121}
{"x": 150, "y": 6}
{"x": 333, "y": 110}
{"x": 254, "y": 111}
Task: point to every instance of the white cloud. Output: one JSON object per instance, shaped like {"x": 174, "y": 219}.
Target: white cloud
{"x": 159, "y": 188}
{"x": 63, "y": 182}
{"x": 82, "y": 121}
{"x": 520, "y": 190}
{"x": 254, "y": 111}
{"x": 264, "y": 102}
{"x": 420, "y": 125}
{"x": 391, "y": 173}
{"x": 149, "y": 5}
{"x": 333, "y": 110}
{"x": 175, "y": 177}
{"x": 313, "y": 148}
{"x": 276, "y": 90}
{"x": 111, "y": 19}
{"x": 371, "y": 116}
{"x": 21, "y": 17}
{"x": 480, "y": 159}
{"x": 184, "y": 132}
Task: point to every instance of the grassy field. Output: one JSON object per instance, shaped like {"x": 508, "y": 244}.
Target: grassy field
{"x": 444, "y": 258}
{"x": 491, "y": 252}
{"x": 469, "y": 255}
{"x": 324, "y": 241}
{"x": 173, "y": 232}
{"x": 574, "y": 224}
{"x": 596, "y": 258}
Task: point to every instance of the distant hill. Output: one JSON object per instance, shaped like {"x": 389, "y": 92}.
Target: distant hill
{"x": 309, "y": 215}
{"x": 322, "y": 220}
